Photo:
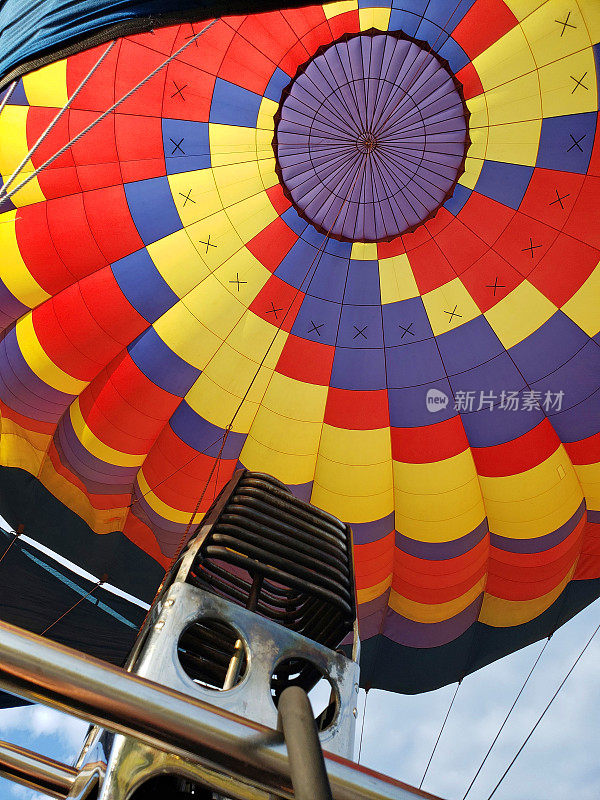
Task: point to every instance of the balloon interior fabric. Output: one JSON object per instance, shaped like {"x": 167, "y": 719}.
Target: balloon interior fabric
{"x": 354, "y": 247}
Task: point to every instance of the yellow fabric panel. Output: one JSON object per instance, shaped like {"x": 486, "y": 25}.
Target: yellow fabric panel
{"x": 341, "y": 7}
{"x": 502, "y": 613}
{"x": 164, "y": 510}
{"x": 40, "y": 363}
{"x": 396, "y": 279}
{"x": 441, "y": 505}
{"x": 515, "y": 101}
{"x": 470, "y": 176}
{"x": 47, "y": 86}
{"x": 22, "y": 448}
{"x": 282, "y": 446}
{"x": 170, "y": 253}
{"x": 231, "y": 144}
{"x": 560, "y": 93}
{"x": 204, "y": 198}
{"x": 506, "y": 59}
{"x": 535, "y": 502}
{"x": 352, "y": 506}
{"x": 519, "y": 314}
{"x": 582, "y": 308}
{"x": 296, "y": 399}
{"x": 258, "y": 339}
{"x": 220, "y": 406}
{"x": 251, "y": 216}
{"x": 479, "y": 142}
{"x": 13, "y": 149}
{"x": 589, "y": 479}
{"x": 365, "y": 595}
{"x": 245, "y": 267}
{"x": 266, "y": 114}
{"x": 238, "y": 182}
{"x": 356, "y": 447}
{"x": 364, "y": 251}
{"x": 440, "y": 302}
{"x": 13, "y": 272}
{"x": 266, "y": 167}
{"x": 97, "y": 448}
{"x": 421, "y": 612}
{"x": 100, "y": 520}
{"x": 590, "y": 11}
{"x": 183, "y": 332}
{"x": 378, "y": 18}
{"x": 215, "y": 305}
{"x": 543, "y": 31}
{"x": 361, "y": 490}
{"x": 215, "y": 238}
{"x": 522, "y": 8}
{"x": 515, "y": 142}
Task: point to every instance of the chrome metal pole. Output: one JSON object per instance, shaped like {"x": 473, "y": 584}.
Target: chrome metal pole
{"x": 60, "y": 677}
{"x": 35, "y": 771}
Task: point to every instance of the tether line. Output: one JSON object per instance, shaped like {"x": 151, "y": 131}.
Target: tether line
{"x": 441, "y": 731}
{"x": 542, "y": 715}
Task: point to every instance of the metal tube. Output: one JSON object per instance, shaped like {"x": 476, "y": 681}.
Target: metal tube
{"x": 47, "y": 672}
{"x": 35, "y": 771}
{"x": 307, "y": 765}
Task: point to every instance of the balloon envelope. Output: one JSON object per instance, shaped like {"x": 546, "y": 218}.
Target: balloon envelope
{"x": 354, "y": 247}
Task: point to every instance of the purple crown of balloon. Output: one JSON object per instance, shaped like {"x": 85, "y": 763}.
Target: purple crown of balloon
{"x": 371, "y": 136}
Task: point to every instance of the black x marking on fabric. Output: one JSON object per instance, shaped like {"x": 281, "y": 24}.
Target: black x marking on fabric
{"x": 531, "y": 247}
{"x": 193, "y": 33}
{"x": 179, "y": 90}
{"x": 208, "y": 243}
{"x": 406, "y": 330}
{"x": 579, "y": 82}
{"x": 187, "y": 196}
{"x": 576, "y": 143}
{"x": 360, "y": 332}
{"x": 452, "y": 314}
{"x": 565, "y": 23}
{"x": 238, "y": 281}
{"x": 316, "y": 328}
{"x": 559, "y": 199}
{"x": 495, "y": 285}
{"x": 274, "y": 310}
{"x": 177, "y": 146}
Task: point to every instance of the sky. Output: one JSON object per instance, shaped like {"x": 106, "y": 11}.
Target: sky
{"x": 560, "y": 761}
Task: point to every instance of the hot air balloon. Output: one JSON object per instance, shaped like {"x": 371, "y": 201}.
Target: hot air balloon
{"x": 354, "y": 246}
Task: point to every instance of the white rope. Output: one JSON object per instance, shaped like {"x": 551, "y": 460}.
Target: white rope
{"x": 18, "y": 169}
{"x": 8, "y": 95}
{"x": 73, "y": 141}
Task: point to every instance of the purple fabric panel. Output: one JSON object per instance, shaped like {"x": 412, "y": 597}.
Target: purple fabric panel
{"x": 98, "y": 476}
{"x": 367, "y": 532}
{"x": 539, "y": 544}
{"x": 441, "y": 551}
{"x": 431, "y": 634}
{"x": 371, "y": 137}
{"x": 23, "y": 391}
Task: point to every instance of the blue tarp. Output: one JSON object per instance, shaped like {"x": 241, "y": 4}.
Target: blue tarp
{"x": 38, "y": 30}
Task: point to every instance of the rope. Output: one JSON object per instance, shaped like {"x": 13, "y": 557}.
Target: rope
{"x": 68, "y": 611}
{"x": 105, "y": 114}
{"x": 8, "y": 95}
{"x": 440, "y": 733}
{"x": 541, "y": 716}
{"x": 510, "y": 710}
{"x": 362, "y": 728}
{"x": 42, "y": 138}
